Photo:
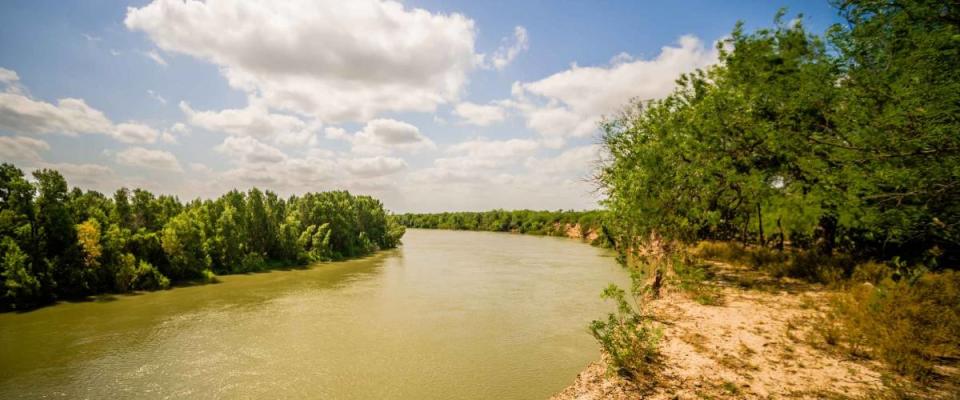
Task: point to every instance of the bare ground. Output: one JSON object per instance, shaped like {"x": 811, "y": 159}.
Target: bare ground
{"x": 759, "y": 343}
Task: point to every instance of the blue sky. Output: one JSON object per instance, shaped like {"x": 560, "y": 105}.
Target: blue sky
{"x": 429, "y": 105}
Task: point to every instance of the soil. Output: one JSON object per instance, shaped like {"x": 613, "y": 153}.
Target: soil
{"x": 759, "y": 343}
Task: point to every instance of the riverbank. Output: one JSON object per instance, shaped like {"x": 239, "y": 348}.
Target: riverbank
{"x": 760, "y": 342}
{"x": 751, "y": 346}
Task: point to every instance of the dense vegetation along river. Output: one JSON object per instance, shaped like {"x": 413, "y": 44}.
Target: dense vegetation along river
{"x": 452, "y": 315}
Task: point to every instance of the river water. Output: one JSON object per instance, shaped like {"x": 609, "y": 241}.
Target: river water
{"x": 449, "y": 315}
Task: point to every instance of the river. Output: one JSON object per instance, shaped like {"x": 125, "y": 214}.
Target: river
{"x": 449, "y": 315}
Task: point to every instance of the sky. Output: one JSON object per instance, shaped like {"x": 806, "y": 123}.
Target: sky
{"x": 427, "y": 105}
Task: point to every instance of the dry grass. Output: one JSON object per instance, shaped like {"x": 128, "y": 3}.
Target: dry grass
{"x": 791, "y": 325}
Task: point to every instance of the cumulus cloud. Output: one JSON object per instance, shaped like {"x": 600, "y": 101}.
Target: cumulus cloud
{"x": 509, "y": 51}
{"x": 254, "y": 121}
{"x": 478, "y": 161}
{"x": 511, "y": 149}
{"x": 172, "y": 134}
{"x": 134, "y": 133}
{"x": 150, "y": 159}
{"x": 22, "y": 149}
{"x": 479, "y": 114}
{"x": 8, "y": 76}
{"x": 571, "y": 161}
{"x": 84, "y": 175}
{"x": 339, "y": 61}
{"x": 250, "y": 150}
{"x": 383, "y": 136}
{"x": 21, "y": 114}
{"x": 572, "y": 102}
{"x": 373, "y": 166}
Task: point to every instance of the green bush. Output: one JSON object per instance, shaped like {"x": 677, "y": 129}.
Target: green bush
{"x": 252, "y": 262}
{"x": 628, "y": 336}
{"x": 150, "y": 278}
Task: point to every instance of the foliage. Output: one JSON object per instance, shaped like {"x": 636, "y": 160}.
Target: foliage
{"x": 911, "y": 323}
{"x": 691, "y": 276}
{"x": 62, "y": 243}
{"x": 827, "y": 158}
{"x": 846, "y": 143}
{"x": 628, "y": 336}
{"x": 552, "y": 223}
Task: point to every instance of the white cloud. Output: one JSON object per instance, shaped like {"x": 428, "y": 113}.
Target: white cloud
{"x": 91, "y": 38}
{"x": 151, "y": 159}
{"x": 200, "y": 168}
{"x": 22, "y": 114}
{"x": 19, "y": 113}
{"x": 571, "y": 161}
{"x": 114, "y": 52}
{"x": 8, "y": 76}
{"x": 246, "y": 149}
{"x": 172, "y": 134}
{"x": 89, "y": 176}
{"x": 383, "y": 136}
{"x": 374, "y": 166}
{"x": 291, "y": 174}
{"x": 254, "y": 121}
{"x": 22, "y": 149}
{"x": 479, "y": 114}
{"x": 572, "y": 102}
{"x": 508, "y": 52}
{"x": 156, "y": 57}
{"x": 512, "y": 149}
{"x": 339, "y": 61}
{"x": 477, "y": 161}
{"x": 134, "y": 133}
{"x": 156, "y": 96}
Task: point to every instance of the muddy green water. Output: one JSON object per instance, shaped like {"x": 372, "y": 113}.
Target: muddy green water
{"x": 450, "y": 315}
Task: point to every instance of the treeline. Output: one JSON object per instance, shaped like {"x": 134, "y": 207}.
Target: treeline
{"x": 847, "y": 142}
{"x": 832, "y": 158}
{"x": 59, "y": 243}
{"x": 553, "y": 223}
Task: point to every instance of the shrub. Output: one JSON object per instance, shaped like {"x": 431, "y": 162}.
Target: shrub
{"x": 691, "y": 276}
{"x": 252, "y": 262}
{"x": 725, "y": 251}
{"x": 911, "y": 324}
{"x": 871, "y": 272}
{"x": 150, "y": 278}
{"x": 628, "y": 336}
{"x": 810, "y": 265}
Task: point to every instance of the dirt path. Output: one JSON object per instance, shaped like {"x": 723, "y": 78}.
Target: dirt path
{"x": 755, "y": 345}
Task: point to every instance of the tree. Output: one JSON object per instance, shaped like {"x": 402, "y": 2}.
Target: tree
{"x": 58, "y": 251}
{"x": 228, "y": 242}
{"x": 182, "y": 240}
{"x": 62, "y": 243}
{"x": 897, "y": 131}
{"x": 88, "y": 236}
{"x": 20, "y": 288}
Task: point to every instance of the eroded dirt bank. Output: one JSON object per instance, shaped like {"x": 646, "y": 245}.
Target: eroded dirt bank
{"x": 757, "y": 344}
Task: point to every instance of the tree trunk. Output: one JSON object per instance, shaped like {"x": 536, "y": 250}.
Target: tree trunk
{"x": 746, "y": 229}
{"x": 763, "y": 241}
{"x": 780, "y": 228}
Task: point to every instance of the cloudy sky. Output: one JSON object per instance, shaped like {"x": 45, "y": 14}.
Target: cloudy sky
{"x": 428, "y": 105}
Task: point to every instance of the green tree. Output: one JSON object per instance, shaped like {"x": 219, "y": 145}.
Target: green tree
{"x": 20, "y": 288}
{"x": 182, "y": 240}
